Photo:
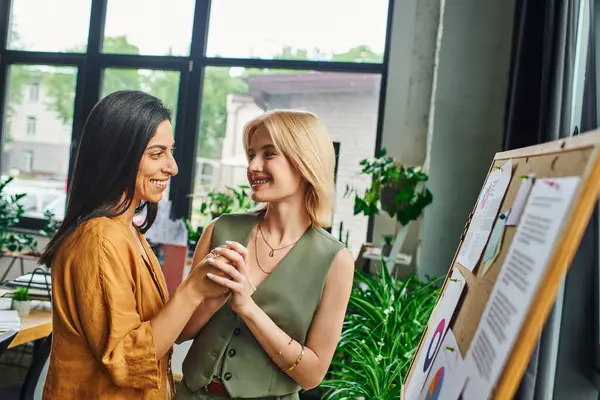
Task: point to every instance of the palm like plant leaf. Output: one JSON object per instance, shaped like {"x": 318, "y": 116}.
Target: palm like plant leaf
{"x": 383, "y": 326}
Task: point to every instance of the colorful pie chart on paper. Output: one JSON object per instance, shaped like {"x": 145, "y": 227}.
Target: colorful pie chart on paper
{"x": 434, "y": 344}
{"x": 435, "y": 387}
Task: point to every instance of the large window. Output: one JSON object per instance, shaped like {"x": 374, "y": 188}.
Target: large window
{"x": 37, "y": 143}
{"x": 216, "y": 64}
{"x": 49, "y": 25}
{"x": 346, "y": 102}
{"x": 337, "y": 30}
{"x": 162, "y": 84}
{"x": 149, "y": 27}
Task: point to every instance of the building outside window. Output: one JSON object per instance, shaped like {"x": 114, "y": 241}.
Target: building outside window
{"x": 27, "y": 161}
{"x": 34, "y": 92}
{"x": 31, "y": 125}
{"x": 214, "y": 82}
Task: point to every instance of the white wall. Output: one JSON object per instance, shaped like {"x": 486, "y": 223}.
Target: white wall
{"x": 445, "y": 106}
{"x": 408, "y": 96}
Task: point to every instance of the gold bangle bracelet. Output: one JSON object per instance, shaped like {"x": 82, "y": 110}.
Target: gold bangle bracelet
{"x": 278, "y": 354}
{"x": 294, "y": 365}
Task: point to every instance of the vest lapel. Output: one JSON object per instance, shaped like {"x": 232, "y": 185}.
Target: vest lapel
{"x": 279, "y": 276}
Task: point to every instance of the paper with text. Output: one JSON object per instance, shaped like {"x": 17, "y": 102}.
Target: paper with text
{"x": 492, "y": 250}
{"x": 517, "y": 283}
{"x": 436, "y": 329}
{"x": 484, "y": 216}
{"x": 447, "y": 377}
{"x": 519, "y": 203}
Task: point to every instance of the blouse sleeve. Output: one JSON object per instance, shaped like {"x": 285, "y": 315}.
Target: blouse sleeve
{"x": 106, "y": 305}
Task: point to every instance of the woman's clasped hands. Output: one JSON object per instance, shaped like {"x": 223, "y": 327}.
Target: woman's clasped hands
{"x": 231, "y": 261}
{"x": 223, "y": 272}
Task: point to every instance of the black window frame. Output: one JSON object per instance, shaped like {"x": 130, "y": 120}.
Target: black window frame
{"x": 91, "y": 64}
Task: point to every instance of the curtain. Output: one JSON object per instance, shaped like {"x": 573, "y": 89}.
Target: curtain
{"x": 538, "y": 110}
{"x": 540, "y": 91}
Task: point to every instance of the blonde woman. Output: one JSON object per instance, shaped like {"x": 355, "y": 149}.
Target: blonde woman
{"x": 290, "y": 280}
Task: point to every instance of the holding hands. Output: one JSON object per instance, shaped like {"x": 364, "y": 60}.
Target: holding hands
{"x": 232, "y": 263}
{"x": 202, "y": 286}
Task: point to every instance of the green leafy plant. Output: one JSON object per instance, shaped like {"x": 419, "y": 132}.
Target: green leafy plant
{"x": 343, "y": 235}
{"x": 383, "y": 326}
{"x": 396, "y": 188}
{"x": 388, "y": 239}
{"x": 51, "y": 224}
{"x": 233, "y": 199}
{"x": 10, "y": 213}
{"x": 216, "y": 203}
{"x": 243, "y": 202}
{"x": 21, "y": 294}
{"x": 193, "y": 233}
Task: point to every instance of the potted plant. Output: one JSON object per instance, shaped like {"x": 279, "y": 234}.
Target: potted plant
{"x": 216, "y": 203}
{"x": 384, "y": 323}
{"x": 243, "y": 202}
{"x": 20, "y": 301}
{"x": 226, "y": 201}
{"x": 51, "y": 224}
{"x": 194, "y": 235}
{"x": 386, "y": 249}
{"x": 10, "y": 213}
{"x": 397, "y": 189}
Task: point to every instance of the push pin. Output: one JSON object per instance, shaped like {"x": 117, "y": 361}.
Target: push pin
{"x": 551, "y": 184}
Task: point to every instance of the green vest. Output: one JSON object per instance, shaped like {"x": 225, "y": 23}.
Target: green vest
{"x": 289, "y": 296}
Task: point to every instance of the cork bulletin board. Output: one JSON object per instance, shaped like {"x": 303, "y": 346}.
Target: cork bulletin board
{"x": 574, "y": 157}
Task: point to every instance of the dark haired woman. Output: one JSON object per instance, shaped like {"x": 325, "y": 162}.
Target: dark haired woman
{"x": 113, "y": 324}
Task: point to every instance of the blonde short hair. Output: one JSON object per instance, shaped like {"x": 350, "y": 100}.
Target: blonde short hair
{"x": 305, "y": 141}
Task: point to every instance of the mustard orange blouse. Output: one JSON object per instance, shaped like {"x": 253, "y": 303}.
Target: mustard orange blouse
{"x": 104, "y": 294}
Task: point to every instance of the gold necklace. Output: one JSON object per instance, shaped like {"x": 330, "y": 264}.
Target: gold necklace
{"x": 256, "y": 253}
{"x": 273, "y": 250}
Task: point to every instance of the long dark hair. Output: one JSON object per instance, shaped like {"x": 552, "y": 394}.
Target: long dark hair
{"x": 114, "y": 139}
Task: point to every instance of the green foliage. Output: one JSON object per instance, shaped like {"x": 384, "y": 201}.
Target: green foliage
{"x": 359, "y": 54}
{"x": 119, "y": 45}
{"x": 383, "y": 326}
{"x": 388, "y": 239}
{"x": 193, "y": 233}
{"x": 343, "y": 235}
{"x": 218, "y": 83}
{"x": 243, "y": 202}
{"x": 51, "y": 224}
{"x": 216, "y": 203}
{"x": 227, "y": 201}
{"x": 19, "y": 77}
{"x": 10, "y": 213}
{"x": 356, "y": 54}
{"x": 405, "y": 182}
{"x": 21, "y": 294}
{"x": 59, "y": 87}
